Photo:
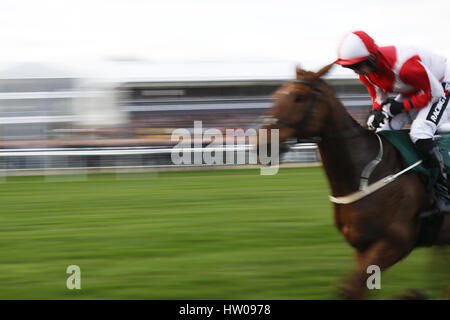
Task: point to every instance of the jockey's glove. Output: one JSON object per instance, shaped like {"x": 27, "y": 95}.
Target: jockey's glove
{"x": 392, "y": 107}
{"x": 376, "y": 119}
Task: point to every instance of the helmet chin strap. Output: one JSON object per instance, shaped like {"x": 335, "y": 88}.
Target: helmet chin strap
{"x": 372, "y": 61}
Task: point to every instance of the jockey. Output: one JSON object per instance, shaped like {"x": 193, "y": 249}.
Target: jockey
{"x": 421, "y": 81}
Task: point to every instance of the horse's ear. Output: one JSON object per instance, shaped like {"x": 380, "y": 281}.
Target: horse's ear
{"x": 299, "y": 71}
{"x": 324, "y": 70}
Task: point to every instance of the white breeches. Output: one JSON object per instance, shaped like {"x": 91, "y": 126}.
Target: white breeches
{"x": 424, "y": 122}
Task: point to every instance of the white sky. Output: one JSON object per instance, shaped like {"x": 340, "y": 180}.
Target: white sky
{"x": 304, "y": 32}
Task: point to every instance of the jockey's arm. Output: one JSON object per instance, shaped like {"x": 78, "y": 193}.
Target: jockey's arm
{"x": 378, "y": 95}
{"x": 428, "y": 88}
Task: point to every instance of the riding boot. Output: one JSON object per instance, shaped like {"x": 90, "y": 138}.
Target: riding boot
{"x": 433, "y": 158}
{"x": 442, "y": 186}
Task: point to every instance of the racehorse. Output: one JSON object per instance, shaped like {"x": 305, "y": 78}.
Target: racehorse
{"x": 382, "y": 227}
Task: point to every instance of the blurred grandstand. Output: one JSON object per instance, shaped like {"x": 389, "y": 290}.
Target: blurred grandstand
{"x": 52, "y": 118}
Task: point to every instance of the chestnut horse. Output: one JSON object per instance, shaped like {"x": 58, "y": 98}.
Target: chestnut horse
{"x": 382, "y": 227}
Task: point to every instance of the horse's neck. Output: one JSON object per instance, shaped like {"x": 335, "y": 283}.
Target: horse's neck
{"x": 346, "y": 148}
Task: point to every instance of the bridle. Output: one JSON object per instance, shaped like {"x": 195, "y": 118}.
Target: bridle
{"x": 299, "y": 127}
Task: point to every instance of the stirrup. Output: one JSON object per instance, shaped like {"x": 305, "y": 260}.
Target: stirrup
{"x": 444, "y": 208}
{"x": 442, "y": 204}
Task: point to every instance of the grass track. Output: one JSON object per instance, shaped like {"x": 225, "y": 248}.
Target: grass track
{"x": 230, "y": 234}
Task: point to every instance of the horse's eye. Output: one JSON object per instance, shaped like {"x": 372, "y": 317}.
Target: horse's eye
{"x": 299, "y": 99}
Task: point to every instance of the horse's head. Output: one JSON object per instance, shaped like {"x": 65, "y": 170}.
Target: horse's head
{"x": 300, "y": 107}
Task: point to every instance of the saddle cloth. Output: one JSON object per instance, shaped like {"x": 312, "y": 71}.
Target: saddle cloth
{"x": 402, "y": 142}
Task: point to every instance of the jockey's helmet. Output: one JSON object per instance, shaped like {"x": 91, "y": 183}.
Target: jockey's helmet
{"x": 356, "y": 47}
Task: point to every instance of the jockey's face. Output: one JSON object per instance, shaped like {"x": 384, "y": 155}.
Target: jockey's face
{"x": 361, "y": 68}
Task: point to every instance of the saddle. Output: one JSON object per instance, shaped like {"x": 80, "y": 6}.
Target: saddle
{"x": 402, "y": 142}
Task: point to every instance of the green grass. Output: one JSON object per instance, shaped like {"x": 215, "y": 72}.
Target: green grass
{"x": 230, "y": 234}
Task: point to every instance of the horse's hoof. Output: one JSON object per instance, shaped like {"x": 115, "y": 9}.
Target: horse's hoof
{"x": 414, "y": 294}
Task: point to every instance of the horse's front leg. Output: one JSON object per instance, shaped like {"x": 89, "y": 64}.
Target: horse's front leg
{"x": 355, "y": 286}
{"x": 382, "y": 254}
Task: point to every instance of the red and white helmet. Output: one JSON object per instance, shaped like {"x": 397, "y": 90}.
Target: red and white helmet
{"x": 355, "y": 47}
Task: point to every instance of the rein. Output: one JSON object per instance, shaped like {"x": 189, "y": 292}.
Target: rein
{"x": 355, "y": 196}
{"x": 365, "y": 188}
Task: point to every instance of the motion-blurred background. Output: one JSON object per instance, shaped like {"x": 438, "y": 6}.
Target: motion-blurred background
{"x": 90, "y": 92}
{"x": 53, "y": 119}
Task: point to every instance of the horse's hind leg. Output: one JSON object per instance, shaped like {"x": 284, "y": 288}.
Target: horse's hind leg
{"x": 382, "y": 254}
